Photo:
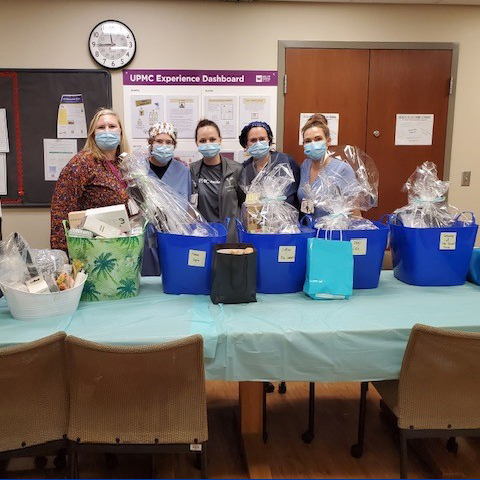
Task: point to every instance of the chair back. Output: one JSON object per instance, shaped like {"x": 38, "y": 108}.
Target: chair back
{"x": 33, "y": 393}
{"x": 137, "y": 394}
{"x": 439, "y": 385}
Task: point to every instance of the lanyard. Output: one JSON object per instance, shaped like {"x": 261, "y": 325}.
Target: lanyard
{"x": 116, "y": 172}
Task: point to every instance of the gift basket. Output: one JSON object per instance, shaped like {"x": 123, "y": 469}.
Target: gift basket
{"x": 184, "y": 239}
{"x": 431, "y": 241}
{"x": 336, "y": 198}
{"x": 271, "y": 225}
{"x": 38, "y": 283}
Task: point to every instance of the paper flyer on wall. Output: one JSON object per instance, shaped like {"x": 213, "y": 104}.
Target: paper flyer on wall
{"x": 183, "y": 112}
{"x": 188, "y": 156}
{"x": 4, "y": 147}
{"x": 253, "y": 109}
{"x": 146, "y": 110}
{"x": 414, "y": 129}
{"x": 333, "y": 120}
{"x": 56, "y": 154}
{"x": 223, "y": 111}
{"x": 71, "y": 120}
{"x": 3, "y": 174}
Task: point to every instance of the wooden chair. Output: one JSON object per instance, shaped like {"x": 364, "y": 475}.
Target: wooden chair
{"x": 438, "y": 392}
{"x": 34, "y": 399}
{"x": 141, "y": 399}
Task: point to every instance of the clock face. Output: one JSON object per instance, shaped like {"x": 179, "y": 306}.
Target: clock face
{"x": 112, "y": 44}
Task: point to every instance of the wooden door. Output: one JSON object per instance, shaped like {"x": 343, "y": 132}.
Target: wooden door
{"x": 405, "y": 81}
{"x": 328, "y": 81}
{"x": 368, "y": 88}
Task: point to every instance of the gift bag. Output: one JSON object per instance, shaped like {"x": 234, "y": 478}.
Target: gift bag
{"x": 329, "y": 269}
{"x": 234, "y": 273}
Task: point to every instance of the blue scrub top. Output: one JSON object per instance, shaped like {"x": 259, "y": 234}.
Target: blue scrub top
{"x": 335, "y": 168}
{"x": 178, "y": 177}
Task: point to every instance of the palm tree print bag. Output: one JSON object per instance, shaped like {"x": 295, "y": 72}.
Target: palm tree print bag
{"x": 113, "y": 265}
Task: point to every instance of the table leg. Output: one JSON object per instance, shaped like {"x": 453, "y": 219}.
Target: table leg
{"x": 251, "y": 428}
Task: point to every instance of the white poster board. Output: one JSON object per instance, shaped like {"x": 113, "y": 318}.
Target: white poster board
{"x": 414, "y": 129}
{"x": 230, "y": 98}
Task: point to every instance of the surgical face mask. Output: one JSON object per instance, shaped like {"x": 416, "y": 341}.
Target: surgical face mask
{"x": 259, "y": 149}
{"x": 107, "y": 140}
{"x": 162, "y": 153}
{"x": 315, "y": 150}
{"x": 209, "y": 150}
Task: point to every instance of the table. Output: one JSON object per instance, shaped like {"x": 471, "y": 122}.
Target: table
{"x": 280, "y": 337}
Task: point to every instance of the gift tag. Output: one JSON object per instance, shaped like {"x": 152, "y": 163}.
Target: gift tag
{"x": 196, "y": 258}
{"x": 252, "y": 198}
{"x": 307, "y": 206}
{"x": 286, "y": 254}
{"x": 194, "y": 199}
{"x": 448, "y": 241}
{"x": 359, "y": 246}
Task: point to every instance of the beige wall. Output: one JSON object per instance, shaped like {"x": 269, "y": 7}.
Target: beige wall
{"x": 227, "y": 35}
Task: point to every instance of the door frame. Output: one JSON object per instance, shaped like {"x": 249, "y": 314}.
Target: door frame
{"x": 454, "y": 47}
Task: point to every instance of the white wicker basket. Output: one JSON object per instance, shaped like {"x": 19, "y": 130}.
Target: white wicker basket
{"x": 28, "y": 306}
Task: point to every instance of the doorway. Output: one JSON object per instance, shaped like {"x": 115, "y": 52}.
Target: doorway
{"x": 367, "y": 85}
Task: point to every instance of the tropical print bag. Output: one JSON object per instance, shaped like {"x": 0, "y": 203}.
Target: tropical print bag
{"x": 113, "y": 265}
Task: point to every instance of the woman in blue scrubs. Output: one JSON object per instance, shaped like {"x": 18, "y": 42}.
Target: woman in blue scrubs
{"x": 162, "y": 139}
{"x": 316, "y": 140}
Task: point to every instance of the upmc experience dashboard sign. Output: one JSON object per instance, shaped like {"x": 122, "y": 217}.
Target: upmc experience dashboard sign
{"x": 201, "y": 77}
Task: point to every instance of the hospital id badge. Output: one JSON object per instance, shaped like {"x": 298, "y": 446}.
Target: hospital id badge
{"x": 307, "y": 206}
{"x": 194, "y": 199}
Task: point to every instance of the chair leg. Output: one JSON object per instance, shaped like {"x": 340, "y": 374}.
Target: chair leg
{"x": 72, "y": 464}
{"x": 452, "y": 445}
{"x": 264, "y": 412}
{"x": 203, "y": 462}
{"x": 76, "y": 471}
{"x": 357, "y": 449}
{"x": 309, "y": 435}
{"x": 403, "y": 454}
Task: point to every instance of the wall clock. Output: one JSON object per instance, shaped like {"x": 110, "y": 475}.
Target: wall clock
{"x": 112, "y": 44}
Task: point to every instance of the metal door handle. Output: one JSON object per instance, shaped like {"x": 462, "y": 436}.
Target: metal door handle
{"x": 376, "y": 133}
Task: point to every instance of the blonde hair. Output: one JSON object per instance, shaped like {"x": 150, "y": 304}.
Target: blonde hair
{"x": 90, "y": 144}
{"x": 317, "y": 120}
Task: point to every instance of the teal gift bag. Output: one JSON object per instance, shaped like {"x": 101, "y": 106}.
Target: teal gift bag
{"x": 329, "y": 269}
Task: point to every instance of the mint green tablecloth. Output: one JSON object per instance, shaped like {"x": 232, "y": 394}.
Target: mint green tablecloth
{"x": 281, "y": 337}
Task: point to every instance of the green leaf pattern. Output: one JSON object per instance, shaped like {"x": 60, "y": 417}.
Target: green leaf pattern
{"x": 113, "y": 265}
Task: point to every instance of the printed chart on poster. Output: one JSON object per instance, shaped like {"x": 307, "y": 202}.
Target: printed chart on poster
{"x": 183, "y": 97}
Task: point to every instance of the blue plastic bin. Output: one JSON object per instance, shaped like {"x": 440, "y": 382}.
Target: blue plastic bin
{"x": 368, "y": 251}
{"x": 432, "y": 256}
{"x": 187, "y": 261}
{"x": 282, "y": 259}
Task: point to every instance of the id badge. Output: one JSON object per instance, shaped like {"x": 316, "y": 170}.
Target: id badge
{"x": 194, "y": 199}
{"x": 307, "y": 206}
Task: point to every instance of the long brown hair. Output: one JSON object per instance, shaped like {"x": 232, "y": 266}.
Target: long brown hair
{"x": 90, "y": 144}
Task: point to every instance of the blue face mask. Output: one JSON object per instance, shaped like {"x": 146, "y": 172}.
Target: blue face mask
{"x": 209, "y": 150}
{"x": 259, "y": 149}
{"x": 315, "y": 150}
{"x": 107, "y": 140}
{"x": 162, "y": 153}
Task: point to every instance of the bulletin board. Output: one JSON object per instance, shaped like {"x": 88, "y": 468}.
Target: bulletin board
{"x": 31, "y": 98}
{"x": 231, "y": 98}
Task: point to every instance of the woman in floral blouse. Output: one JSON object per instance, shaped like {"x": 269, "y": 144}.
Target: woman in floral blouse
{"x": 91, "y": 178}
